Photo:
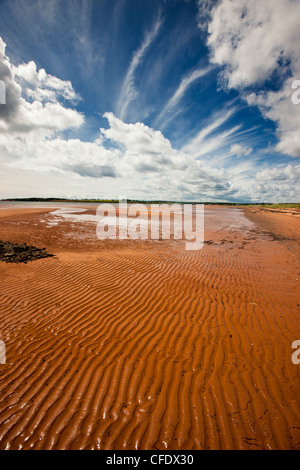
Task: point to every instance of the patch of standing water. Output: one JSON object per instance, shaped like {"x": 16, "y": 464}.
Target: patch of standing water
{"x": 77, "y": 215}
{"x": 66, "y": 214}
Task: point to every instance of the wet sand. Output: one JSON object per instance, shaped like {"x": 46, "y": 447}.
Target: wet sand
{"x": 144, "y": 345}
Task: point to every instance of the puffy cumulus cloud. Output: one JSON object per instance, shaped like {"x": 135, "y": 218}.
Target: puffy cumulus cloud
{"x": 137, "y": 154}
{"x": 204, "y": 13}
{"x": 255, "y": 42}
{"x": 213, "y": 184}
{"x": 144, "y": 149}
{"x": 136, "y": 138}
{"x": 131, "y": 159}
{"x": 45, "y": 119}
{"x": 32, "y": 122}
{"x": 282, "y": 173}
{"x": 141, "y": 163}
{"x": 72, "y": 155}
{"x": 279, "y": 107}
{"x": 94, "y": 171}
{"x": 12, "y": 89}
{"x": 250, "y": 38}
{"x": 207, "y": 179}
{"x": 40, "y": 86}
{"x": 281, "y": 183}
{"x": 43, "y": 113}
{"x": 147, "y": 155}
{"x": 239, "y": 150}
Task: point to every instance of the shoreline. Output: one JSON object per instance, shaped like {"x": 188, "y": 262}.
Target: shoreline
{"x": 283, "y": 226}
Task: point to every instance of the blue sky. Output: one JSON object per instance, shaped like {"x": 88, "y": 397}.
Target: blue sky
{"x": 150, "y": 99}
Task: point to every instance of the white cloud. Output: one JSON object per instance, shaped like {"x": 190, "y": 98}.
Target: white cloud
{"x": 239, "y": 150}
{"x": 204, "y": 13}
{"x": 136, "y": 138}
{"x": 36, "y": 153}
{"x": 250, "y": 37}
{"x": 30, "y": 130}
{"x": 185, "y": 83}
{"x": 143, "y": 149}
{"x": 132, "y": 159}
{"x": 128, "y": 91}
{"x": 253, "y": 40}
{"x": 207, "y": 140}
{"x": 282, "y": 173}
{"x": 46, "y": 116}
{"x": 279, "y": 107}
{"x": 281, "y": 183}
{"x": 42, "y": 85}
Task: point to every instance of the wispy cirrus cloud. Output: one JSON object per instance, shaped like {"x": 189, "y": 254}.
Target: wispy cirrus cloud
{"x": 207, "y": 139}
{"x": 185, "y": 83}
{"x": 128, "y": 90}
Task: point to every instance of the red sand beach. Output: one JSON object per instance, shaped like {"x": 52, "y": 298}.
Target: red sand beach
{"x": 144, "y": 345}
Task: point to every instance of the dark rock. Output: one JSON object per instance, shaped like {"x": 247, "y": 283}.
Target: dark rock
{"x": 21, "y": 253}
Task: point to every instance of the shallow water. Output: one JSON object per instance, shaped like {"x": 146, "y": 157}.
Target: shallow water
{"x": 215, "y": 219}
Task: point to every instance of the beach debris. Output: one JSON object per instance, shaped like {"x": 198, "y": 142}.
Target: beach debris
{"x": 21, "y": 253}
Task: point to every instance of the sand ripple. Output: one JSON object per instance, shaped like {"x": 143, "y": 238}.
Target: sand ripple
{"x": 151, "y": 348}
